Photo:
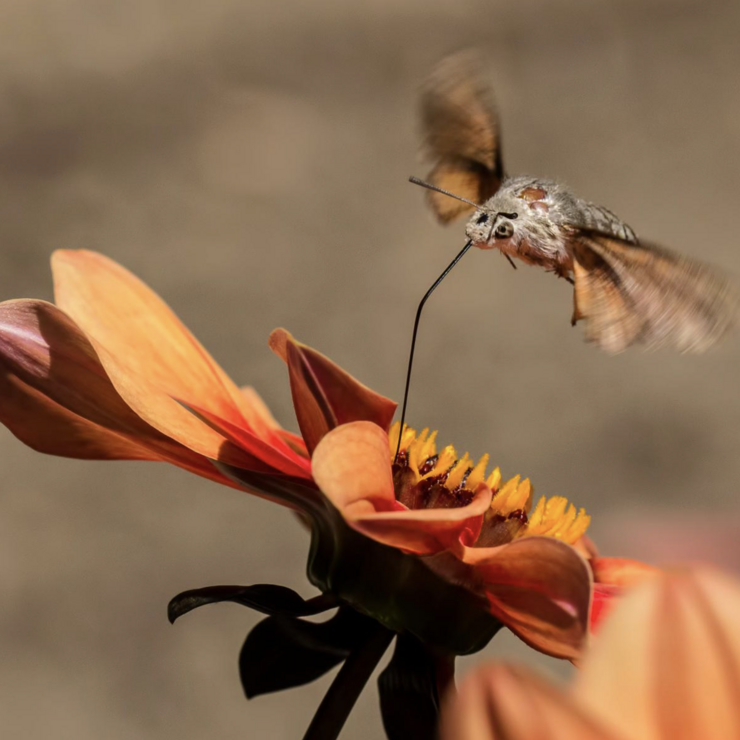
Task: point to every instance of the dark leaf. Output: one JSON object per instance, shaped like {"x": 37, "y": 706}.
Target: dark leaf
{"x": 282, "y": 652}
{"x": 263, "y": 597}
{"x": 409, "y": 699}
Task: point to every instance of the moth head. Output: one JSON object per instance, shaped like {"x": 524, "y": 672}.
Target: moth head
{"x": 488, "y": 224}
{"x": 491, "y": 227}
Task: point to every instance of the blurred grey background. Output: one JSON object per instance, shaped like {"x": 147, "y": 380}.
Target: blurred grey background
{"x": 249, "y": 161}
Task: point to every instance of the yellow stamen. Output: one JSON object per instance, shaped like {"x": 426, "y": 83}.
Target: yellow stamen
{"x": 458, "y": 472}
{"x": 514, "y": 495}
{"x": 554, "y": 517}
{"x": 415, "y": 459}
{"x": 494, "y": 480}
{"x": 478, "y": 473}
{"x": 557, "y": 518}
{"x": 429, "y": 449}
{"x": 393, "y": 433}
{"x": 446, "y": 460}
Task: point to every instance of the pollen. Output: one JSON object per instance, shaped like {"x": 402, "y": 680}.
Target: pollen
{"x": 420, "y": 468}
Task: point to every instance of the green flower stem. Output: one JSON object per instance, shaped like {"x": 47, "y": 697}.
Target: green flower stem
{"x": 335, "y": 707}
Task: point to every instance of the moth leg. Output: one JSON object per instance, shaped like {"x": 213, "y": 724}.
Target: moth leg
{"x": 562, "y": 272}
{"x": 577, "y": 315}
{"x": 511, "y": 261}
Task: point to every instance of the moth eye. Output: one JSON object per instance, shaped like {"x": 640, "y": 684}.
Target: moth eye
{"x": 504, "y": 230}
{"x": 483, "y": 218}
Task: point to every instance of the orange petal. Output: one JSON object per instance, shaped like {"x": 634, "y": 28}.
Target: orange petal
{"x": 56, "y": 397}
{"x": 540, "y": 588}
{"x": 427, "y": 531}
{"x": 506, "y": 702}
{"x": 351, "y": 465}
{"x": 666, "y": 664}
{"x": 150, "y": 357}
{"x": 324, "y": 395}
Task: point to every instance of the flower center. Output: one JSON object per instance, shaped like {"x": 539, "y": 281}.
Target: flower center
{"x": 426, "y": 479}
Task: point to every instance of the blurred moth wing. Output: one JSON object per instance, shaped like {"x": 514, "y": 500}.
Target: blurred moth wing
{"x": 630, "y": 293}
{"x": 461, "y": 135}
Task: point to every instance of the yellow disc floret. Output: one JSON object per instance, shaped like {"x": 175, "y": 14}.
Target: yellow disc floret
{"x": 555, "y": 517}
{"x": 512, "y": 500}
{"x": 418, "y": 453}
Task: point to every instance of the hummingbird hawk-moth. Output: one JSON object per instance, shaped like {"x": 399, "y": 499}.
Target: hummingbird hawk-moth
{"x": 626, "y": 291}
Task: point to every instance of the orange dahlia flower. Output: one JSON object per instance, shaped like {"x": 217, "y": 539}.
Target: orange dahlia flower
{"x": 109, "y": 372}
{"x": 428, "y": 546}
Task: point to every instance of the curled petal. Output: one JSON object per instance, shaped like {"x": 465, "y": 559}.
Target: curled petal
{"x": 540, "y": 588}
{"x": 148, "y": 354}
{"x": 324, "y": 395}
{"x": 56, "y": 397}
{"x": 45, "y": 426}
{"x": 427, "y": 531}
{"x": 666, "y": 663}
{"x": 503, "y": 702}
{"x": 351, "y": 465}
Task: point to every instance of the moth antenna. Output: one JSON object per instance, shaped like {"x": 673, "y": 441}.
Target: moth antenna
{"x": 416, "y": 326}
{"x": 429, "y": 186}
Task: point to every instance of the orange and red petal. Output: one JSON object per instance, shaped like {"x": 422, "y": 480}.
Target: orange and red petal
{"x": 57, "y": 398}
{"x": 603, "y": 600}
{"x": 612, "y": 576}
{"x": 148, "y": 354}
{"x": 507, "y": 702}
{"x": 276, "y": 457}
{"x": 324, "y": 395}
{"x": 540, "y": 588}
